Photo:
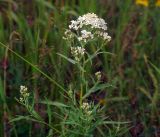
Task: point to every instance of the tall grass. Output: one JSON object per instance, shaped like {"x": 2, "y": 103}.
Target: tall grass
{"x": 34, "y": 30}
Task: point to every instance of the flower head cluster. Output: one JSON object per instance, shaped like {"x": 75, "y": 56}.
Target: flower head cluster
{"x": 98, "y": 75}
{"x": 70, "y": 93}
{"x": 86, "y": 108}
{"x": 85, "y": 35}
{"x": 68, "y": 35}
{"x": 88, "y": 27}
{"x": 77, "y": 52}
{"x": 88, "y": 19}
{"x": 24, "y": 94}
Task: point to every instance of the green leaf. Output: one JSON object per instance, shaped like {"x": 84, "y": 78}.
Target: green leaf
{"x": 114, "y": 122}
{"x": 144, "y": 91}
{"x": 95, "y": 88}
{"x": 57, "y": 104}
{"x": 18, "y": 118}
{"x": 90, "y": 57}
{"x": 68, "y": 59}
{"x": 47, "y": 4}
{"x": 117, "y": 99}
{"x": 156, "y": 68}
{"x": 71, "y": 61}
{"x": 50, "y": 134}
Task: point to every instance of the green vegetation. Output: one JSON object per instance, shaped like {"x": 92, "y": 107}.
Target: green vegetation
{"x": 33, "y": 53}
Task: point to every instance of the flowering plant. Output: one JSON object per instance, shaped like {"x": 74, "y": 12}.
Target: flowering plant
{"x": 79, "y": 116}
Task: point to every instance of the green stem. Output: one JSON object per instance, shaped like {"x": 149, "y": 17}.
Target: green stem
{"x": 82, "y": 79}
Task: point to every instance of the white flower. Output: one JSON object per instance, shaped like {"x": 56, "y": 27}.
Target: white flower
{"x": 80, "y": 38}
{"x": 93, "y": 20}
{"x": 98, "y": 75}
{"x": 86, "y": 108}
{"x": 106, "y": 36}
{"x": 77, "y": 52}
{"x": 74, "y": 25}
{"x": 24, "y": 93}
{"x": 103, "y": 35}
{"x": 68, "y": 34}
{"x": 23, "y": 89}
{"x": 89, "y": 26}
{"x": 85, "y": 35}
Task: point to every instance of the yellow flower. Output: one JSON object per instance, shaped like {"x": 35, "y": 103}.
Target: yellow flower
{"x": 158, "y": 3}
{"x": 142, "y": 2}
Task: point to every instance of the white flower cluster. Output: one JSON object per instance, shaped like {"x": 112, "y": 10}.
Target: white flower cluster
{"x": 89, "y": 26}
{"x": 85, "y": 35}
{"x": 24, "y": 93}
{"x": 86, "y": 108}
{"x": 104, "y": 35}
{"x": 68, "y": 34}
{"x": 88, "y": 19}
{"x": 77, "y": 52}
{"x": 98, "y": 75}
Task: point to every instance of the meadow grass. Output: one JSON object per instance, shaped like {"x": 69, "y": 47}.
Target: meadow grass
{"x": 33, "y": 33}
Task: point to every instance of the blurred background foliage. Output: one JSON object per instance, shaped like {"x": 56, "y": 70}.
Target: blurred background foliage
{"x": 34, "y": 29}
